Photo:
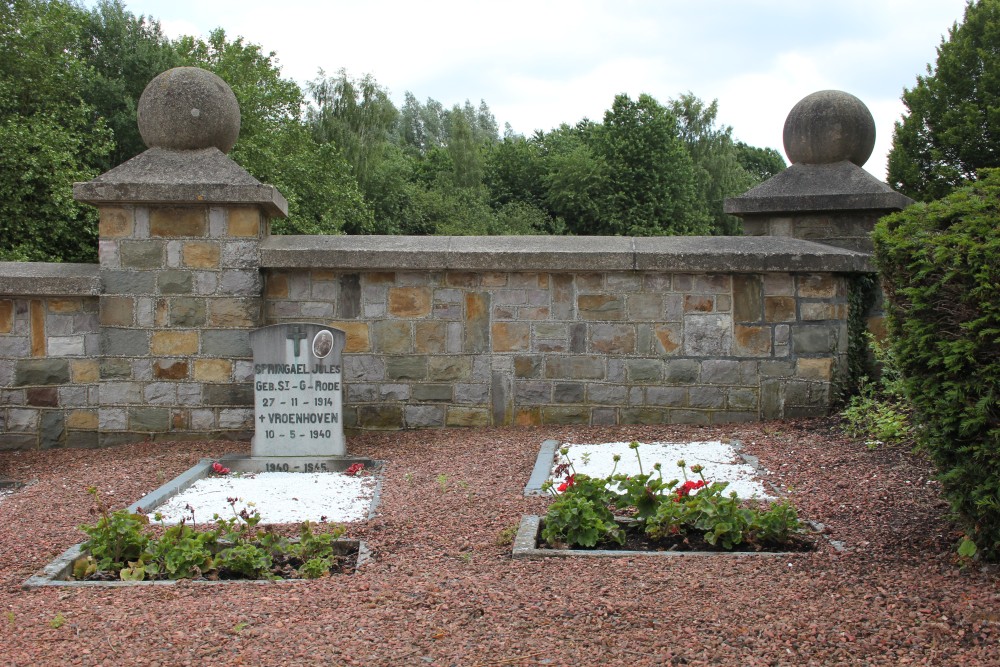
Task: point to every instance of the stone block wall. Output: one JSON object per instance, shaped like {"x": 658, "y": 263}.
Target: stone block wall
{"x": 49, "y": 347}
{"x": 441, "y": 332}
{"x": 433, "y": 347}
{"x": 181, "y": 292}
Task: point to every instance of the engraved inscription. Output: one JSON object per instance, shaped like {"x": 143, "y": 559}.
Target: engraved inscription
{"x": 298, "y": 394}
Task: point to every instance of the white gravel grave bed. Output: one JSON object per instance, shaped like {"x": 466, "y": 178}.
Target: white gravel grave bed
{"x": 279, "y": 497}
{"x": 721, "y": 462}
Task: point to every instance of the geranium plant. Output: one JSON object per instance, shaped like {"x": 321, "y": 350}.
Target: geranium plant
{"x": 589, "y": 512}
{"x": 120, "y": 546}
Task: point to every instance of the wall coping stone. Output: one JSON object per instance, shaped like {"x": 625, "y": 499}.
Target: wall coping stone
{"x": 838, "y": 186}
{"x": 164, "y": 176}
{"x": 49, "y": 279}
{"x": 702, "y": 254}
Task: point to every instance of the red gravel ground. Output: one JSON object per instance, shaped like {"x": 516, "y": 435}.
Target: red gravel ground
{"x": 443, "y": 590}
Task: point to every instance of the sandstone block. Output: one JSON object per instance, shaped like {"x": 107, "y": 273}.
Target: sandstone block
{"x": 115, "y": 223}
{"x": 409, "y": 302}
{"x": 174, "y": 343}
{"x": 511, "y": 336}
{"x": 213, "y": 370}
{"x": 178, "y": 222}
{"x": 201, "y": 254}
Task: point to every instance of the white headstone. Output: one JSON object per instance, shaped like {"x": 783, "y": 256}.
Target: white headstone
{"x": 298, "y": 393}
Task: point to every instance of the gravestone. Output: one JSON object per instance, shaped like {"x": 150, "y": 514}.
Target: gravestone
{"x": 298, "y": 393}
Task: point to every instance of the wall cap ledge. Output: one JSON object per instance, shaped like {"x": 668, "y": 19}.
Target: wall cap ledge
{"x": 701, "y": 254}
{"x": 49, "y": 279}
{"x": 163, "y": 176}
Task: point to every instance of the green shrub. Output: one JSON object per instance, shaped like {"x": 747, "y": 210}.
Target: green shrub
{"x": 879, "y": 411}
{"x": 940, "y": 266}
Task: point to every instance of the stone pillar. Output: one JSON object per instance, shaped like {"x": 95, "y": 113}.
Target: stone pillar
{"x": 825, "y": 196}
{"x": 180, "y": 232}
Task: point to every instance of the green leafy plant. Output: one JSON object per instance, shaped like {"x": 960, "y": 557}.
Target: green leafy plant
{"x": 117, "y": 537}
{"x": 582, "y": 513}
{"x": 880, "y": 411}
{"x": 236, "y": 547}
{"x": 245, "y": 561}
{"x": 57, "y": 621}
{"x": 180, "y": 553}
{"x": 578, "y": 520}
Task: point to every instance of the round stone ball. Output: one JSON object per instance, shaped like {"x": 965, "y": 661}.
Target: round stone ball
{"x": 829, "y": 126}
{"x": 187, "y": 108}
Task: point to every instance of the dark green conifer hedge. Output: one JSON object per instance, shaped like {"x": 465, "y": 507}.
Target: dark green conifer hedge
{"x": 940, "y": 268}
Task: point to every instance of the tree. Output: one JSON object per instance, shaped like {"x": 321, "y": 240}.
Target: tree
{"x": 465, "y": 153}
{"x": 760, "y": 163}
{"x": 719, "y": 173}
{"x": 952, "y": 128}
{"x": 125, "y": 52}
{"x": 356, "y": 116}
{"x": 49, "y": 135}
{"x": 651, "y": 178}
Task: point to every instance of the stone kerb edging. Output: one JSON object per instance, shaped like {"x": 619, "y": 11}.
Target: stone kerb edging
{"x": 49, "y": 279}
{"x": 709, "y": 254}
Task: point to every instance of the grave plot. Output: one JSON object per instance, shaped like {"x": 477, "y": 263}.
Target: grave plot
{"x": 213, "y": 523}
{"x": 622, "y": 499}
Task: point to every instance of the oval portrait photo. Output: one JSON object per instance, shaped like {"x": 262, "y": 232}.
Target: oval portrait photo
{"x": 322, "y": 344}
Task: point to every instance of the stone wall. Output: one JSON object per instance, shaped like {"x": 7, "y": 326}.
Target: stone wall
{"x": 49, "y": 347}
{"x": 460, "y": 331}
{"x": 555, "y": 342}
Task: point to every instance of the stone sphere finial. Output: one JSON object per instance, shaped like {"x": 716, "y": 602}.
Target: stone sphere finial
{"x": 829, "y": 126}
{"x": 187, "y": 108}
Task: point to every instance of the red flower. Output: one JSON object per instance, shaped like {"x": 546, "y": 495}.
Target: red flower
{"x": 355, "y": 469}
{"x": 565, "y": 485}
{"x": 219, "y": 469}
{"x": 689, "y": 486}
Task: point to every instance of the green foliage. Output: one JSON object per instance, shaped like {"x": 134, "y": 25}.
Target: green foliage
{"x": 582, "y": 515}
{"x": 952, "y": 129}
{"x": 722, "y": 519}
{"x": 576, "y": 519}
{"x": 652, "y": 187}
{"x": 181, "y": 553}
{"x": 49, "y": 134}
{"x": 862, "y": 295}
{"x": 760, "y": 163}
{"x": 234, "y": 548}
{"x": 312, "y": 545}
{"x": 879, "y": 411}
{"x": 117, "y": 537}
{"x": 244, "y": 561}
{"x": 718, "y": 169}
{"x": 940, "y": 265}
{"x": 877, "y": 417}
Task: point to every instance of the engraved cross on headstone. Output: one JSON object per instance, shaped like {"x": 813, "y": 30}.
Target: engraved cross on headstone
{"x": 297, "y": 335}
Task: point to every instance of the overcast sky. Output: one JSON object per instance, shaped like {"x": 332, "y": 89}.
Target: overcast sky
{"x": 540, "y": 63}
